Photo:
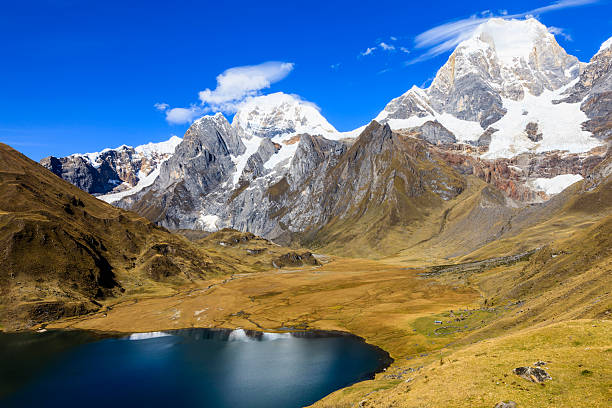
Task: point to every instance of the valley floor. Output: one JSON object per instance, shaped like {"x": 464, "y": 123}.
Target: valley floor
{"x": 466, "y": 360}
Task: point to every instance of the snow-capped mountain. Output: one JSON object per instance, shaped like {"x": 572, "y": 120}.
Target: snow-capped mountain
{"x": 280, "y": 114}
{"x": 510, "y": 107}
{"x": 123, "y": 170}
{"x": 507, "y": 76}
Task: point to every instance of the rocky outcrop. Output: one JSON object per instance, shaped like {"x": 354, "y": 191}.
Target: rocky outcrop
{"x": 111, "y": 170}
{"x": 434, "y": 133}
{"x": 79, "y": 171}
{"x": 532, "y": 132}
{"x": 506, "y": 404}
{"x": 594, "y": 90}
{"x": 294, "y": 259}
{"x": 533, "y": 374}
{"x": 485, "y": 139}
{"x": 513, "y": 175}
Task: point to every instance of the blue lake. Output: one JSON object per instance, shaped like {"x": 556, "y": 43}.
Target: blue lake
{"x": 192, "y": 367}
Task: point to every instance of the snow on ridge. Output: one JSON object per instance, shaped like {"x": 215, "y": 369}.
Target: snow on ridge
{"x": 166, "y": 147}
{"x": 285, "y": 154}
{"x": 240, "y": 162}
{"x": 281, "y": 113}
{"x": 510, "y": 38}
{"x": 554, "y": 185}
{"x": 144, "y": 180}
{"x": 146, "y": 150}
{"x": 464, "y": 130}
{"x": 208, "y": 222}
{"x": 560, "y": 125}
{"x": 605, "y": 45}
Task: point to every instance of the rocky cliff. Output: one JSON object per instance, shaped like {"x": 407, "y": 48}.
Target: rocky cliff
{"x": 111, "y": 171}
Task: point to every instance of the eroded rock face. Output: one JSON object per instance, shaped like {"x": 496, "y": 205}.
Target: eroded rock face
{"x": 81, "y": 173}
{"x": 594, "y": 88}
{"x": 199, "y": 187}
{"x": 513, "y": 175}
{"x": 434, "y": 133}
{"x": 111, "y": 170}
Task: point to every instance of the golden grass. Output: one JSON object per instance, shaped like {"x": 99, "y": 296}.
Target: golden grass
{"x": 578, "y": 356}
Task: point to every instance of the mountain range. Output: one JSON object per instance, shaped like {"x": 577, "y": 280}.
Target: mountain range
{"x": 510, "y": 112}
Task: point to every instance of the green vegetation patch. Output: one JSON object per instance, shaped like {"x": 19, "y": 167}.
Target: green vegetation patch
{"x": 455, "y": 321}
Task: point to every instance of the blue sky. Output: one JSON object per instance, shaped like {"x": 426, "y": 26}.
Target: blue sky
{"x": 79, "y": 76}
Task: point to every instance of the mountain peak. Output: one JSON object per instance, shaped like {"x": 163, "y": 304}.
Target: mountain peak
{"x": 510, "y": 39}
{"x": 510, "y": 57}
{"x": 280, "y": 114}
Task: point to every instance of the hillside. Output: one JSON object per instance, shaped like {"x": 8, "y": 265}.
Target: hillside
{"x": 456, "y": 332}
{"x": 552, "y": 306}
{"x": 66, "y": 253}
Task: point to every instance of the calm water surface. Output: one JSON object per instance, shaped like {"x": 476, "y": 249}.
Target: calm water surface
{"x": 195, "y": 367}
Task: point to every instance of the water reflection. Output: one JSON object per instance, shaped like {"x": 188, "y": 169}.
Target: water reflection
{"x": 202, "y": 367}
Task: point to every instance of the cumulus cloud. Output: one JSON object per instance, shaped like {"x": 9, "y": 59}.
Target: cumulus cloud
{"x": 386, "y": 47}
{"x": 445, "y": 37}
{"x": 183, "y": 115}
{"x": 234, "y": 86}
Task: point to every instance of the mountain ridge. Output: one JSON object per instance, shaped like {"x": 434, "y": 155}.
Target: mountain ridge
{"x": 514, "y": 116}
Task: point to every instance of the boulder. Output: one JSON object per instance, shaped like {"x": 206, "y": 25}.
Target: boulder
{"x": 533, "y": 374}
{"x": 504, "y": 404}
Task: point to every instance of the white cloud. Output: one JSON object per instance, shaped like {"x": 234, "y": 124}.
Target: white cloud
{"x": 445, "y": 37}
{"x": 393, "y": 38}
{"x": 234, "y": 86}
{"x": 368, "y": 51}
{"x": 559, "y": 32}
{"x": 183, "y": 115}
{"x": 386, "y": 46}
{"x": 335, "y": 67}
{"x": 161, "y": 106}
{"x": 405, "y": 50}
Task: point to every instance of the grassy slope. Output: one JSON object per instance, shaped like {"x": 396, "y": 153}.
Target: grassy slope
{"x": 554, "y": 307}
{"x": 66, "y": 253}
